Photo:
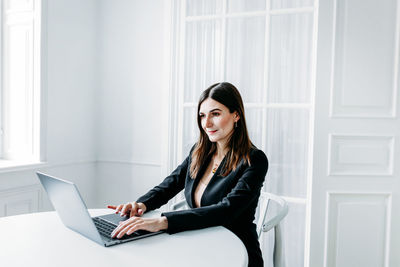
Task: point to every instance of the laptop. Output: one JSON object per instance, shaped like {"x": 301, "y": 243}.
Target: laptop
{"x": 71, "y": 208}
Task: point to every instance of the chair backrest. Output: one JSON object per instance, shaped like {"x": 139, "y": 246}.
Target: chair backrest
{"x": 264, "y": 203}
{"x": 180, "y": 205}
{"x": 264, "y": 225}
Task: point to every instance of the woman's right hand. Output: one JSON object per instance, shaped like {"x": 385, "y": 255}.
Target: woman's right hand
{"x": 131, "y": 209}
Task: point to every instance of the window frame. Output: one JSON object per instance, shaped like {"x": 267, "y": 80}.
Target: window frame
{"x": 37, "y": 9}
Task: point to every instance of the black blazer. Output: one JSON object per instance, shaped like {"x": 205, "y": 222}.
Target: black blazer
{"x": 230, "y": 201}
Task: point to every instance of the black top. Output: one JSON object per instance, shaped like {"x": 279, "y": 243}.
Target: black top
{"x": 230, "y": 201}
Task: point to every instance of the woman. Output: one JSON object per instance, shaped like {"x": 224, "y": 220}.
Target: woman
{"x": 222, "y": 177}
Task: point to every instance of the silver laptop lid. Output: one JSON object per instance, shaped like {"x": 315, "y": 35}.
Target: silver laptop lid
{"x": 70, "y": 206}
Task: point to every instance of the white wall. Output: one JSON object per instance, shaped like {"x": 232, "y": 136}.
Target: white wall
{"x": 72, "y": 50}
{"x": 71, "y": 91}
{"x": 70, "y": 98}
{"x": 103, "y": 106}
{"x": 129, "y": 115}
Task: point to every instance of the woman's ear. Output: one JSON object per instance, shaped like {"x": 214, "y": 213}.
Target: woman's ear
{"x": 236, "y": 116}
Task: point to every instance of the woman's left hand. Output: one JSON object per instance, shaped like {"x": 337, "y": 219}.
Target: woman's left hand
{"x": 139, "y": 223}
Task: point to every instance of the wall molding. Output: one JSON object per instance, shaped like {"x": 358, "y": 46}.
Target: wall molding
{"x": 25, "y": 199}
{"x": 129, "y": 162}
{"x": 39, "y": 165}
{"x": 361, "y": 144}
{"x": 15, "y": 166}
{"x": 49, "y": 165}
{"x": 72, "y": 162}
{"x": 340, "y": 207}
{"x": 358, "y": 110}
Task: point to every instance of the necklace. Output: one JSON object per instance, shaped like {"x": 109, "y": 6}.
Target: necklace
{"x": 215, "y": 168}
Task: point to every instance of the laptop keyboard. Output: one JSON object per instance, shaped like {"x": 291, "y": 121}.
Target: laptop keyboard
{"x": 105, "y": 228}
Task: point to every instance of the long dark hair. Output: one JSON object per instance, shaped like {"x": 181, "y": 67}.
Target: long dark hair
{"x": 239, "y": 143}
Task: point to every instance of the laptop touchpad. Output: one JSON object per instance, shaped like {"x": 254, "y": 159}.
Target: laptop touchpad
{"x": 114, "y": 218}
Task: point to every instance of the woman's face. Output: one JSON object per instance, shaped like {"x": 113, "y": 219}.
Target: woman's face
{"x": 217, "y": 121}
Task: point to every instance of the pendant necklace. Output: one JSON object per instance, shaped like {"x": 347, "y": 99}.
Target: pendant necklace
{"x": 215, "y": 168}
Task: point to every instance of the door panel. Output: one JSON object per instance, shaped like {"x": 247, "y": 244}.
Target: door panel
{"x": 355, "y": 203}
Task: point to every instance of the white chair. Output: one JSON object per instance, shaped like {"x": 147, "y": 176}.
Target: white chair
{"x": 262, "y": 225}
{"x": 273, "y": 222}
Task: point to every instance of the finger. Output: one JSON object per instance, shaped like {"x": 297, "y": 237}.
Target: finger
{"x": 140, "y": 212}
{"x": 118, "y": 208}
{"x": 125, "y": 229}
{"x": 123, "y": 209}
{"x": 123, "y": 232}
{"x": 117, "y": 231}
{"x": 134, "y": 228}
{"x": 126, "y": 208}
{"x": 112, "y": 207}
{"x": 134, "y": 209}
{"x": 120, "y": 227}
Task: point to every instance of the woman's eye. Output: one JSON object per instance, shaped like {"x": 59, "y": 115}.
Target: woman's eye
{"x": 216, "y": 114}
{"x": 201, "y": 115}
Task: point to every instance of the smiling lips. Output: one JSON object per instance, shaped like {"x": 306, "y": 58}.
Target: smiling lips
{"x": 212, "y": 132}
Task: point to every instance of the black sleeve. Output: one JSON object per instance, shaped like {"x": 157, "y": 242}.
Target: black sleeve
{"x": 163, "y": 192}
{"x": 230, "y": 207}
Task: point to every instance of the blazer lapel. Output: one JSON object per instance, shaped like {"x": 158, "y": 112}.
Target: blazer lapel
{"x": 192, "y": 184}
{"x": 188, "y": 191}
{"x": 215, "y": 177}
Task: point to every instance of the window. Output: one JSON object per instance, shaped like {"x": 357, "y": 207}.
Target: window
{"x": 266, "y": 49}
{"x": 20, "y": 80}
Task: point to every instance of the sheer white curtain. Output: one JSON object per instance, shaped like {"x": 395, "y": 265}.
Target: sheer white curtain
{"x": 264, "y": 48}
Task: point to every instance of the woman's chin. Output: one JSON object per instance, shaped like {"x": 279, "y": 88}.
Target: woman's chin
{"x": 212, "y": 139}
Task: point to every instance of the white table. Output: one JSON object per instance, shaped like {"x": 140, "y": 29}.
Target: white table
{"x": 40, "y": 239}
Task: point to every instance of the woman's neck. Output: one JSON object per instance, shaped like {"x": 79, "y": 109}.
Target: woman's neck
{"x": 221, "y": 151}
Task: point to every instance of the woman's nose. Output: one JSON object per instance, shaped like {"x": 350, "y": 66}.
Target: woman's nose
{"x": 208, "y": 122}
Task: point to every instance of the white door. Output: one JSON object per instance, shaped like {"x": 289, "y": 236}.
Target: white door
{"x": 355, "y": 191}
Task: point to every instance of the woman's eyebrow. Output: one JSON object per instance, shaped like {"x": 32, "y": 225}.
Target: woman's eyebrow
{"x": 215, "y": 109}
